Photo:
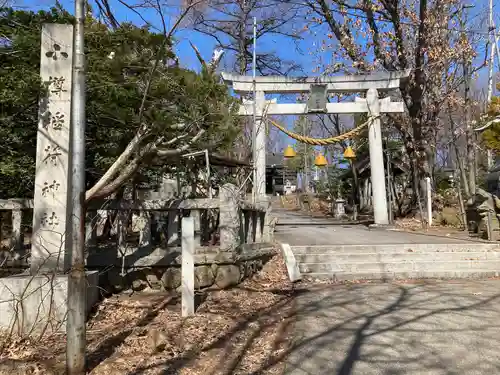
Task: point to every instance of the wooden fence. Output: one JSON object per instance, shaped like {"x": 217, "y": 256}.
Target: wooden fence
{"x": 224, "y": 222}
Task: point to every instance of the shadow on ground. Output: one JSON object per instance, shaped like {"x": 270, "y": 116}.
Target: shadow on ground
{"x": 445, "y": 328}
{"x": 428, "y": 328}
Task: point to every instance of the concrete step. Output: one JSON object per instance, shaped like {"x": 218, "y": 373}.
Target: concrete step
{"x": 441, "y": 274}
{"x": 397, "y": 267}
{"x": 398, "y": 248}
{"x": 383, "y": 257}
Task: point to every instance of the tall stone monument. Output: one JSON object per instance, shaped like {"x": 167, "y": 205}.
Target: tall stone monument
{"x": 38, "y": 302}
{"x": 52, "y": 151}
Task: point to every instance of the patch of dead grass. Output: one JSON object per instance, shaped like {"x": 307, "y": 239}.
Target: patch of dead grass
{"x": 242, "y": 330}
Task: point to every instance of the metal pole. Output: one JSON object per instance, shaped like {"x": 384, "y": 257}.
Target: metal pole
{"x": 492, "y": 40}
{"x": 306, "y": 177}
{"x": 77, "y": 286}
{"x": 254, "y": 105}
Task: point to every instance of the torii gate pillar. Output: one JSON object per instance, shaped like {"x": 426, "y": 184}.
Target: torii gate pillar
{"x": 380, "y": 213}
{"x": 259, "y": 151}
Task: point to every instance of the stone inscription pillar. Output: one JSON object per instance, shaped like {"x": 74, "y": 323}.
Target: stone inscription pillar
{"x": 52, "y": 151}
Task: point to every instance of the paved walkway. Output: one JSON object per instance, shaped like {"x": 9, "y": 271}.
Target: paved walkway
{"x": 437, "y": 328}
{"x": 426, "y": 328}
{"x": 298, "y": 229}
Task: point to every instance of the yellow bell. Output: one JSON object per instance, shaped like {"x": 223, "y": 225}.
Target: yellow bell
{"x": 289, "y": 152}
{"x": 349, "y": 153}
{"x": 320, "y": 160}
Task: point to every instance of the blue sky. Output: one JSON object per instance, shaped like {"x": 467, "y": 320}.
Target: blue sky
{"x": 305, "y": 53}
{"x": 283, "y": 46}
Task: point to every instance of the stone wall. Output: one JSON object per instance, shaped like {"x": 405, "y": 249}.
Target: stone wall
{"x": 213, "y": 269}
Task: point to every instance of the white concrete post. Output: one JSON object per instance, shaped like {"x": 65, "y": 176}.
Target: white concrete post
{"x": 187, "y": 270}
{"x": 172, "y": 227}
{"x": 50, "y": 213}
{"x": 428, "y": 200}
{"x": 17, "y": 240}
{"x": 144, "y": 229}
{"x": 260, "y": 147}
{"x": 377, "y": 160}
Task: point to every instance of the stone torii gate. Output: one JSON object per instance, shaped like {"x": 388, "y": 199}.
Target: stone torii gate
{"x": 372, "y": 84}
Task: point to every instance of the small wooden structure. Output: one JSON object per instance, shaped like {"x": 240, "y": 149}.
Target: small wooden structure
{"x": 277, "y": 174}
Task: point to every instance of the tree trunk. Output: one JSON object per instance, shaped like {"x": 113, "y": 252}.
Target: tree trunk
{"x": 471, "y": 163}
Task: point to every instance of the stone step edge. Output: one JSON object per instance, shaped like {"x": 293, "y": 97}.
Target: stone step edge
{"x": 446, "y": 274}
{"x": 439, "y": 248}
{"x": 465, "y": 243}
{"x": 333, "y": 254}
{"x": 460, "y": 243}
{"x": 404, "y": 262}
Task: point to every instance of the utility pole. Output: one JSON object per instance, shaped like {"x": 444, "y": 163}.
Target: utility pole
{"x": 492, "y": 40}
{"x": 491, "y": 37}
{"x": 254, "y": 106}
{"x": 75, "y": 239}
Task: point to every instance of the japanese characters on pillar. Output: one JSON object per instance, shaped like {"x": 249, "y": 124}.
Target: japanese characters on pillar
{"x": 52, "y": 151}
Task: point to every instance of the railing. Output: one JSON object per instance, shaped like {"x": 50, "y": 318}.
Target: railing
{"x": 138, "y": 229}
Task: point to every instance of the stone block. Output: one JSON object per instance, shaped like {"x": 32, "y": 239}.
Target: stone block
{"x": 203, "y": 277}
{"x": 171, "y": 279}
{"x": 229, "y": 217}
{"x": 227, "y": 275}
{"x": 214, "y": 267}
{"x": 153, "y": 278}
{"x": 449, "y": 216}
{"x": 31, "y": 304}
{"x": 138, "y": 284}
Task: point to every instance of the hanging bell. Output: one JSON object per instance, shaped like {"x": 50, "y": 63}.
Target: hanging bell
{"x": 349, "y": 153}
{"x": 289, "y": 152}
{"x": 320, "y": 160}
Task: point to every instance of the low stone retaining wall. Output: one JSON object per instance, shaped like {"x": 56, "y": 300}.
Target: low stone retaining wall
{"x": 161, "y": 270}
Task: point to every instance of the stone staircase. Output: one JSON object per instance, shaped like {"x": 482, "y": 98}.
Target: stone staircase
{"x": 399, "y": 261}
